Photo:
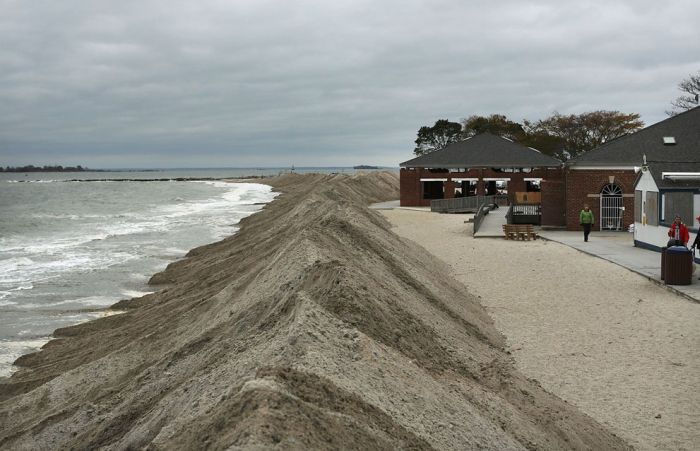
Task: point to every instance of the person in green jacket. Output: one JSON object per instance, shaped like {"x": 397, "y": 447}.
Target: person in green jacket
{"x": 586, "y": 220}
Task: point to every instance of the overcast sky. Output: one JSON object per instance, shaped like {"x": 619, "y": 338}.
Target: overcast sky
{"x": 237, "y": 83}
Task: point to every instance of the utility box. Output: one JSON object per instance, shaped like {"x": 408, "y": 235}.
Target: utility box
{"x": 678, "y": 266}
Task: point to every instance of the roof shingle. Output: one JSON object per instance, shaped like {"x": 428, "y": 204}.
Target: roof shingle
{"x": 629, "y": 150}
{"x": 484, "y": 150}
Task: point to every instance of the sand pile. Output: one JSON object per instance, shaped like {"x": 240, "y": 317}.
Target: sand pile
{"x": 314, "y": 327}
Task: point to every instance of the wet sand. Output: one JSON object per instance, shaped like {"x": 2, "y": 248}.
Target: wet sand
{"x": 623, "y": 349}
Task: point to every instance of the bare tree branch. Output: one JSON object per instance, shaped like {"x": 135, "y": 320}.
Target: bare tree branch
{"x": 691, "y": 88}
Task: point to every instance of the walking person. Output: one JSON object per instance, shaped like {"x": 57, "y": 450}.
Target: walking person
{"x": 678, "y": 233}
{"x": 586, "y": 220}
{"x": 696, "y": 243}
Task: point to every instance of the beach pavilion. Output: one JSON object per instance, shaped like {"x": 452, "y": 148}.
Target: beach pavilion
{"x": 484, "y": 164}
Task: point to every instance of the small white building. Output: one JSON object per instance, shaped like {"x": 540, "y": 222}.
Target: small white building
{"x": 663, "y": 190}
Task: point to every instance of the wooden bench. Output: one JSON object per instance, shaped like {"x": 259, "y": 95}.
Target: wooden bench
{"x": 519, "y": 232}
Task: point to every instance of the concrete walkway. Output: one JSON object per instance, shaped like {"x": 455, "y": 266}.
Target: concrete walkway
{"x": 492, "y": 225}
{"x": 394, "y": 204}
{"x": 618, "y": 248}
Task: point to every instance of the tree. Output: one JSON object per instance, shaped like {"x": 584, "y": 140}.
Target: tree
{"x": 548, "y": 144}
{"x": 691, "y": 88}
{"x": 437, "y": 137}
{"x": 582, "y": 132}
{"x": 496, "y": 124}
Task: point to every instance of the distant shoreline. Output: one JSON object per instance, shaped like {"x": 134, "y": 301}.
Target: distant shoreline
{"x": 32, "y": 168}
{"x": 166, "y": 179}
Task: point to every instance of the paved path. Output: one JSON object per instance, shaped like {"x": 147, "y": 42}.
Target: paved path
{"x": 394, "y": 204}
{"x": 618, "y": 247}
{"x": 492, "y": 225}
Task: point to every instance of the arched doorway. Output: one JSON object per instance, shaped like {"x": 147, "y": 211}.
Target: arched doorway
{"x": 611, "y": 207}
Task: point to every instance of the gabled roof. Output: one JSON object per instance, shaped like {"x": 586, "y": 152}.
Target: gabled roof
{"x": 629, "y": 150}
{"x": 484, "y": 150}
{"x": 657, "y": 170}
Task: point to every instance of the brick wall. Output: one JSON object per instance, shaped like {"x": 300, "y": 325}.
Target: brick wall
{"x": 584, "y": 187}
{"x": 553, "y": 203}
{"x": 409, "y": 183}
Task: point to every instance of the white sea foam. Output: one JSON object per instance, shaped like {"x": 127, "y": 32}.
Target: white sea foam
{"x": 19, "y": 272}
{"x": 175, "y": 251}
{"x": 11, "y": 291}
{"x": 235, "y": 194}
{"x": 78, "y": 303}
{"x": 57, "y": 216}
{"x": 135, "y": 294}
{"x": 89, "y": 301}
{"x": 10, "y": 350}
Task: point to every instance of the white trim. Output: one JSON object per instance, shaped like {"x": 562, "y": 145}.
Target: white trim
{"x": 662, "y": 206}
{"x": 532, "y": 179}
{"x": 680, "y": 175}
{"x": 601, "y": 168}
{"x": 469, "y": 179}
{"x": 496, "y": 179}
{"x": 433, "y": 180}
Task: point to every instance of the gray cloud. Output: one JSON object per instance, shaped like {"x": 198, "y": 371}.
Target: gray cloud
{"x": 253, "y": 83}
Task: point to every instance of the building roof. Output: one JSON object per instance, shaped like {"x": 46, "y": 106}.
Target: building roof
{"x": 629, "y": 150}
{"x": 483, "y": 150}
{"x": 690, "y": 181}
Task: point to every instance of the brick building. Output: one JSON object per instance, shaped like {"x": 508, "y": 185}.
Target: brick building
{"x": 604, "y": 178}
{"x": 482, "y": 165}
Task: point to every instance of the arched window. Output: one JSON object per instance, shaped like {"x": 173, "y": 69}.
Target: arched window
{"x": 611, "y": 190}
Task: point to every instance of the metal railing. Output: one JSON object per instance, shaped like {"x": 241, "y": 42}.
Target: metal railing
{"x": 524, "y": 214}
{"x": 483, "y": 210}
{"x": 467, "y": 204}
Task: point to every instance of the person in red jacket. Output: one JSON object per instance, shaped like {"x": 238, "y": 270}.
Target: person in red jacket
{"x": 678, "y": 233}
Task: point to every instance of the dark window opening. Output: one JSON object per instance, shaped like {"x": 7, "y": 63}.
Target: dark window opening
{"x": 494, "y": 187}
{"x": 433, "y": 190}
{"x": 466, "y": 188}
{"x": 532, "y": 186}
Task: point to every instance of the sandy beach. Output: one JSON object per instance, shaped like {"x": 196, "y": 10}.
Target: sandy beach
{"x": 313, "y": 327}
{"x": 622, "y": 349}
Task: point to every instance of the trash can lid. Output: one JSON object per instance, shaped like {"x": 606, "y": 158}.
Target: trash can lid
{"x": 678, "y": 249}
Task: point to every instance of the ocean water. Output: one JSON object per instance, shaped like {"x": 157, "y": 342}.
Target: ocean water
{"x": 70, "y": 249}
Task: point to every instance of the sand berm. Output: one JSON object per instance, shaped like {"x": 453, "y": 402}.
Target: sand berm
{"x": 313, "y": 327}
